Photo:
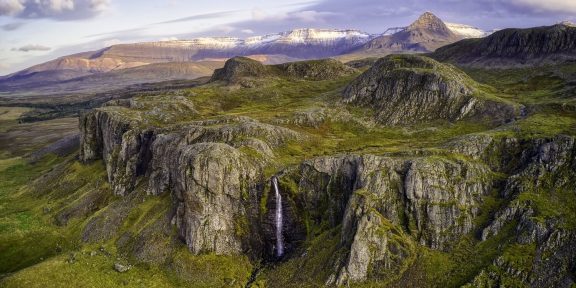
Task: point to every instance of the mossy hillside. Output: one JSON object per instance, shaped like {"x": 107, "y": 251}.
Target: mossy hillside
{"x": 276, "y": 101}
{"x": 39, "y": 248}
{"x": 543, "y": 85}
{"x": 434, "y": 268}
{"x": 310, "y": 267}
{"x": 27, "y": 235}
{"x": 20, "y": 139}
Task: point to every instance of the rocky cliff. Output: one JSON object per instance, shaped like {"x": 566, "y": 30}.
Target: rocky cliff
{"x": 408, "y": 89}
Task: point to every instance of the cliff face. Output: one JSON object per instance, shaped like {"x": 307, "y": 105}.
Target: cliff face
{"x": 409, "y": 89}
{"x": 205, "y": 166}
{"x": 387, "y": 205}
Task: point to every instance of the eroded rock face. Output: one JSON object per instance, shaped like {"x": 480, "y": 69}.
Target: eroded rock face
{"x": 203, "y": 164}
{"x": 543, "y": 169}
{"x": 409, "y": 89}
{"x": 387, "y": 205}
{"x": 378, "y": 248}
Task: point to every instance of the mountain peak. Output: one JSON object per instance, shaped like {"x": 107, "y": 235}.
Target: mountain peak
{"x": 429, "y": 21}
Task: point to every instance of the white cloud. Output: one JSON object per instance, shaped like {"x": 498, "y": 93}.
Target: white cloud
{"x": 307, "y": 16}
{"x": 259, "y": 14}
{"x": 566, "y": 6}
{"x": 224, "y": 28}
{"x": 11, "y": 7}
{"x": 56, "y": 9}
{"x": 247, "y": 31}
{"x": 12, "y": 26}
{"x": 169, "y": 39}
{"x": 111, "y": 42}
{"x": 32, "y": 47}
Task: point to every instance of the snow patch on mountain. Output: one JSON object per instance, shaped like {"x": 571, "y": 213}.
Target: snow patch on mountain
{"x": 295, "y": 37}
{"x": 462, "y": 30}
{"x": 467, "y": 31}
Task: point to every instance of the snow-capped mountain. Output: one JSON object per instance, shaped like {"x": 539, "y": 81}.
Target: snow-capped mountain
{"x": 299, "y": 43}
{"x": 463, "y": 30}
{"x": 293, "y": 37}
{"x": 426, "y": 34}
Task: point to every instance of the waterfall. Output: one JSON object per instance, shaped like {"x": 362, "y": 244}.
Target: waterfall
{"x": 278, "y": 219}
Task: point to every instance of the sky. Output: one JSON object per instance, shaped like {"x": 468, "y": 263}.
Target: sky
{"x": 35, "y": 31}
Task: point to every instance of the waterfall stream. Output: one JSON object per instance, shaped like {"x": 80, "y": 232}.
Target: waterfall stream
{"x": 278, "y": 219}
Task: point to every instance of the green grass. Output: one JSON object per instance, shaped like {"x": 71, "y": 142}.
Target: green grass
{"x": 35, "y": 252}
{"x": 210, "y": 270}
{"x": 441, "y": 269}
{"x": 89, "y": 268}
{"x": 309, "y": 271}
{"x": 26, "y": 236}
{"x": 530, "y": 86}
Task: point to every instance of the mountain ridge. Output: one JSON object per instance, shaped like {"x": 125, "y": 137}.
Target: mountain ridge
{"x": 292, "y": 45}
{"x": 514, "y": 47}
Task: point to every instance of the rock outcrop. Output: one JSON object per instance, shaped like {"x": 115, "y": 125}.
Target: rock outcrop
{"x": 409, "y": 89}
{"x": 238, "y": 69}
{"x": 387, "y": 205}
{"x": 206, "y": 165}
{"x": 541, "y": 172}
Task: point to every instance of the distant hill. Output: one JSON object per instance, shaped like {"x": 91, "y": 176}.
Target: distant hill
{"x": 47, "y": 82}
{"x": 514, "y": 47}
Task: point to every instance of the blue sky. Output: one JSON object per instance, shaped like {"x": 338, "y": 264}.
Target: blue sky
{"x": 34, "y": 31}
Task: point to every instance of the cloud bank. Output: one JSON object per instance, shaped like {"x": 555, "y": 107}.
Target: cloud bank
{"x": 32, "y": 47}
{"x": 54, "y": 9}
